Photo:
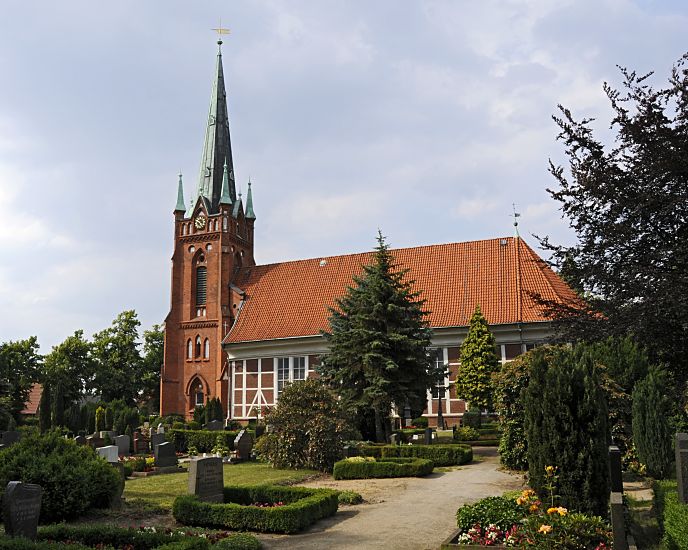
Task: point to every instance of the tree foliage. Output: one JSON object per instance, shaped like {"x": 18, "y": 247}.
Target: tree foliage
{"x": 19, "y": 369}
{"x": 153, "y": 353}
{"x": 652, "y": 432}
{"x": 477, "y": 363}
{"x": 628, "y": 204}
{"x": 378, "y": 343}
{"x": 308, "y": 428}
{"x": 566, "y": 427}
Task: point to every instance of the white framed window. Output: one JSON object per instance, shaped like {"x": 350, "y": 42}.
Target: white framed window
{"x": 439, "y": 364}
{"x": 199, "y": 397}
{"x": 189, "y": 349}
{"x": 289, "y": 369}
{"x": 206, "y": 349}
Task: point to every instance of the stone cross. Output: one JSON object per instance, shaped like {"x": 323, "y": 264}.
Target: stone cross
{"x": 682, "y": 467}
{"x": 21, "y": 507}
{"x": 206, "y": 479}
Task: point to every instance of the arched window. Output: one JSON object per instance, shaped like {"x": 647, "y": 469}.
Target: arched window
{"x": 206, "y": 349}
{"x": 197, "y": 393}
{"x": 198, "y": 346}
{"x": 189, "y": 349}
{"x": 224, "y": 224}
{"x": 201, "y": 285}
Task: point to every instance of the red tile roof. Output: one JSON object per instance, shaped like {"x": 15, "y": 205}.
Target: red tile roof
{"x": 290, "y": 299}
{"x": 31, "y": 405}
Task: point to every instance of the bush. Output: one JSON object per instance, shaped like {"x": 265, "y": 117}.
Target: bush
{"x": 566, "y": 427}
{"x": 307, "y": 428}
{"x": 471, "y": 418}
{"x": 272, "y": 509}
{"x": 74, "y": 479}
{"x": 21, "y": 543}
{"x": 420, "y": 422}
{"x": 385, "y": 467}
{"x": 441, "y": 455}
{"x": 238, "y": 541}
{"x": 672, "y": 516}
{"x": 500, "y": 511}
{"x": 651, "y": 430}
{"x": 203, "y": 440}
{"x": 466, "y": 433}
{"x": 349, "y": 497}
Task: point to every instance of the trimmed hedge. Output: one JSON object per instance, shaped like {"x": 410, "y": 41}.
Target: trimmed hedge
{"x": 385, "y": 467}
{"x": 441, "y": 455}
{"x": 203, "y": 440}
{"x": 20, "y": 543}
{"x": 301, "y": 507}
{"x": 671, "y": 514}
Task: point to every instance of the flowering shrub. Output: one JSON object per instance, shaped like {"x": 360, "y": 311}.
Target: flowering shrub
{"x": 466, "y": 433}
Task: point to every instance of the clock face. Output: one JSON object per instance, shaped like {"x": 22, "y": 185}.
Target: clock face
{"x": 200, "y": 221}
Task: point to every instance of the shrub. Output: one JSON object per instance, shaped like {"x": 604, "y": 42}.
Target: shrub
{"x": 349, "y": 497}
{"x": 651, "y": 430}
{"x": 466, "y": 433}
{"x": 278, "y": 509}
{"x": 420, "y": 422}
{"x": 671, "y": 514}
{"x": 567, "y": 531}
{"x": 441, "y": 455}
{"x": 566, "y": 426}
{"x": 74, "y": 479}
{"x": 471, "y": 418}
{"x": 307, "y": 428}
{"x": 204, "y": 441}
{"x": 500, "y": 511}
{"x": 21, "y": 543}
{"x": 238, "y": 541}
{"x": 385, "y": 467}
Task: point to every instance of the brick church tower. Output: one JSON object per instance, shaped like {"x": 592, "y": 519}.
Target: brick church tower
{"x": 213, "y": 239}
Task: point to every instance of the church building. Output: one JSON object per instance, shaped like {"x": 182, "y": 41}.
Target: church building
{"x": 240, "y": 331}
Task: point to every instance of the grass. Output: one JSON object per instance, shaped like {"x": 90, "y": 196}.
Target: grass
{"x": 160, "y": 491}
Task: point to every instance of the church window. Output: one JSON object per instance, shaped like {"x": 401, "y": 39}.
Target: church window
{"x": 206, "y": 349}
{"x": 189, "y": 349}
{"x": 198, "y": 346}
{"x": 209, "y": 247}
{"x": 290, "y": 369}
{"x": 192, "y": 248}
{"x": 199, "y": 396}
{"x": 437, "y": 356}
{"x": 201, "y": 284}
{"x": 224, "y": 224}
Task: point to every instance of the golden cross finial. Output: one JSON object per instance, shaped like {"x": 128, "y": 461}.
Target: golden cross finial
{"x": 220, "y": 30}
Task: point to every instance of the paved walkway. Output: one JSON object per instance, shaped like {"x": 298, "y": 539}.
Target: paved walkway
{"x": 408, "y": 514}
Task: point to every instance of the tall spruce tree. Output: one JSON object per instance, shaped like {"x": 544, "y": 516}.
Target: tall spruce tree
{"x": 378, "y": 343}
{"x": 478, "y": 362}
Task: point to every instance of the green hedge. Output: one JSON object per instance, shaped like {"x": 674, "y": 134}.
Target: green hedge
{"x": 441, "y": 455}
{"x": 20, "y": 543}
{"x": 203, "y": 440}
{"x": 672, "y": 515}
{"x": 385, "y": 467}
{"x": 301, "y": 508}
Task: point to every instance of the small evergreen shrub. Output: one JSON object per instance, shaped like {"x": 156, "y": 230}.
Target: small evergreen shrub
{"x": 349, "y": 497}
{"x": 74, "y": 479}
{"x": 471, "y": 419}
{"x": 272, "y": 509}
{"x": 672, "y": 516}
{"x": 500, "y": 511}
{"x": 204, "y": 441}
{"x": 420, "y": 422}
{"x": 466, "y": 433}
{"x": 385, "y": 467}
{"x": 441, "y": 455}
{"x": 238, "y": 541}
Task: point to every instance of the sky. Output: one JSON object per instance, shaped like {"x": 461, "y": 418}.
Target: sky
{"x": 425, "y": 119}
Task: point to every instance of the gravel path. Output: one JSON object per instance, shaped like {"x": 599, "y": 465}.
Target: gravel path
{"x": 402, "y": 513}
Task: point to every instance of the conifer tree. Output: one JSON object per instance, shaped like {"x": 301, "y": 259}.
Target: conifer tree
{"x": 58, "y": 406}
{"x": 651, "y": 428}
{"x": 44, "y": 409}
{"x": 478, "y": 362}
{"x": 378, "y": 342}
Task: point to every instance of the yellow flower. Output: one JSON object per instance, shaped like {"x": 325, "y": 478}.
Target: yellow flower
{"x": 527, "y": 493}
{"x": 552, "y": 510}
{"x": 533, "y": 507}
{"x": 550, "y": 470}
{"x": 545, "y": 529}
{"x": 562, "y": 511}
{"x": 520, "y": 500}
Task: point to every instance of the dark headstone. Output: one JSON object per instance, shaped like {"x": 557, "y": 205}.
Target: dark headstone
{"x": 156, "y": 439}
{"x": 95, "y": 441}
{"x": 428, "y": 436}
{"x": 682, "y": 467}
{"x": 243, "y": 443}
{"x": 82, "y": 433}
{"x": 206, "y": 479}
{"x": 616, "y": 507}
{"x": 21, "y": 506}
{"x": 615, "y": 469}
{"x": 165, "y": 455}
{"x": 80, "y": 440}
{"x": 122, "y": 442}
{"x": 214, "y": 425}
{"x": 141, "y": 445}
{"x": 10, "y": 438}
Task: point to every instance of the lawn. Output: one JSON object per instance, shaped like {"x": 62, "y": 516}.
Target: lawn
{"x": 161, "y": 490}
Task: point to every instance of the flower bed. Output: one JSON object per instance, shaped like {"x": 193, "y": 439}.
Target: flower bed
{"x": 441, "y": 455}
{"x": 359, "y": 467}
{"x": 301, "y": 507}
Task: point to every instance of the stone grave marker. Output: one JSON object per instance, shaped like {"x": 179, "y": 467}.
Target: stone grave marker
{"x": 123, "y": 442}
{"x": 393, "y": 439}
{"x": 141, "y": 444}
{"x": 107, "y": 433}
{"x": 109, "y": 453}
{"x": 428, "y": 436}
{"x": 21, "y": 506}
{"x": 80, "y": 440}
{"x": 161, "y": 428}
{"x": 214, "y": 425}
{"x": 243, "y": 443}
{"x": 682, "y": 466}
{"x": 206, "y": 479}
{"x": 156, "y": 439}
{"x": 616, "y": 508}
{"x": 615, "y": 469}
{"x": 165, "y": 455}
{"x": 95, "y": 441}
{"x": 10, "y": 438}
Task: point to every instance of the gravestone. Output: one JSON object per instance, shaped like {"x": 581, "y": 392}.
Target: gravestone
{"x": 428, "y": 436}
{"x": 206, "y": 479}
{"x": 214, "y": 425}
{"x": 109, "y": 453}
{"x": 21, "y": 506}
{"x": 156, "y": 439}
{"x": 615, "y": 469}
{"x": 165, "y": 455}
{"x": 161, "y": 428}
{"x": 141, "y": 444}
{"x": 682, "y": 467}
{"x": 80, "y": 440}
{"x": 616, "y": 507}
{"x": 393, "y": 439}
{"x": 10, "y": 438}
{"x": 95, "y": 441}
{"x": 243, "y": 443}
{"x": 107, "y": 433}
{"x": 2, "y": 446}
{"x": 122, "y": 442}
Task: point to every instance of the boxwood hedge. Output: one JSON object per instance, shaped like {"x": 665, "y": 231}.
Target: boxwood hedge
{"x": 441, "y": 455}
{"x": 203, "y": 440}
{"x": 672, "y": 515}
{"x": 253, "y": 509}
{"x": 384, "y": 467}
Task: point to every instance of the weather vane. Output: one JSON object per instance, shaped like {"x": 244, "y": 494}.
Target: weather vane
{"x": 516, "y": 215}
{"x": 220, "y": 30}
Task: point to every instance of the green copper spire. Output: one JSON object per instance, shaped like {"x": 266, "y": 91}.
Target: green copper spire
{"x": 180, "y": 196}
{"x": 249, "y": 203}
{"x": 225, "y": 198}
{"x": 217, "y": 148}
